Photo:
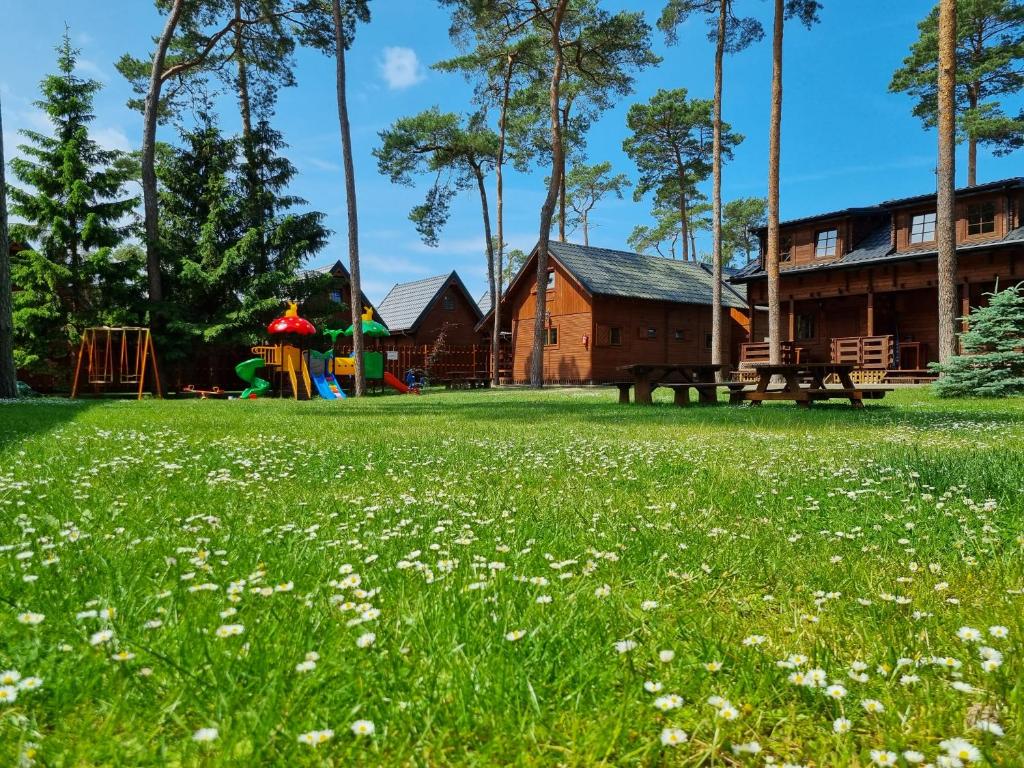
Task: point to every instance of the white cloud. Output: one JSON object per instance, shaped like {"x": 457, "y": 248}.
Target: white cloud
{"x": 111, "y": 138}
{"x": 90, "y": 68}
{"x": 401, "y": 68}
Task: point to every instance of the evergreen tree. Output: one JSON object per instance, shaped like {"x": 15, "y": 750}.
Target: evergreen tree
{"x": 993, "y": 361}
{"x": 742, "y": 215}
{"x": 73, "y": 206}
{"x": 228, "y": 277}
{"x": 989, "y": 66}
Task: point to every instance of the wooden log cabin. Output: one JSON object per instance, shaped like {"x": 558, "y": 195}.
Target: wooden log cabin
{"x": 416, "y": 312}
{"x": 860, "y": 285}
{"x": 609, "y": 308}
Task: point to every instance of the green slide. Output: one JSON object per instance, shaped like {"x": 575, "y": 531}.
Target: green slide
{"x": 247, "y": 372}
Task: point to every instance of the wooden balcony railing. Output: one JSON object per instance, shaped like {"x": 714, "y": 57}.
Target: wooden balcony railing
{"x": 864, "y": 351}
{"x": 758, "y": 352}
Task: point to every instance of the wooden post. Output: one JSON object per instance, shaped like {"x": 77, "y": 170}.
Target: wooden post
{"x": 871, "y": 313}
{"x": 792, "y": 319}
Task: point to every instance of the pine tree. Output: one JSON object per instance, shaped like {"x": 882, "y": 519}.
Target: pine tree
{"x": 993, "y": 361}
{"x": 73, "y": 206}
{"x": 228, "y": 274}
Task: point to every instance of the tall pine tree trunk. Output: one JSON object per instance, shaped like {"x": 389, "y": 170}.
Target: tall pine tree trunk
{"x": 500, "y": 204}
{"x": 716, "y": 198}
{"x": 548, "y": 209}
{"x": 8, "y": 377}
{"x": 244, "y": 105}
{"x": 945, "y": 213}
{"x": 151, "y": 110}
{"x": 774, "y": 151}
{"x": 561, "y": 186}
{"x": 492, "y": 276}
{"x": 355, "y": 289}
{"x": 684, "y": 221}
{"x": 972, "y": 141}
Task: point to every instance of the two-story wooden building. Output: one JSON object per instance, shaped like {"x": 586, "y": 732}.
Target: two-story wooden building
{"x": 417, "y": 312}
{"x": 608, "y": 308}
{"x": 860, "y": 285}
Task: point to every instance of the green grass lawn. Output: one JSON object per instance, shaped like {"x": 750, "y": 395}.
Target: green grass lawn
{"x": 511, "y": 578}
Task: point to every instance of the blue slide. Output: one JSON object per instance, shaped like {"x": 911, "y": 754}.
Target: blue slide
{"x": 320, "y": 373}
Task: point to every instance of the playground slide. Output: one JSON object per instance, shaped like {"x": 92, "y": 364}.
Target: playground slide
{"x": 327, "y": 385}
{"x": 246, "y": 371}
{"x": 393, "y": 382}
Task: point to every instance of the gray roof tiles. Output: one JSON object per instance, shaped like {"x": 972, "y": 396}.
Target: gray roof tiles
{"x": 407, "y": 303}
{"x": 606, "y": 272}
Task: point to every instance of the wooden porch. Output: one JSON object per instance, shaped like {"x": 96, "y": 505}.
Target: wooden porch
{"x": 874, "y": 358}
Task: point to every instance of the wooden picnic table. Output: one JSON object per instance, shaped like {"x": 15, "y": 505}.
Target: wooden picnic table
{"x": 649, "y": 376}
{"x": 792, "y": 389}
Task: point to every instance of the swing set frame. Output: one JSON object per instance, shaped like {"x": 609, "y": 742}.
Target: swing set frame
{"x": 97, "y": 353}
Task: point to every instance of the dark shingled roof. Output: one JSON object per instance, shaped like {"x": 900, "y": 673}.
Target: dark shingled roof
{"x": 604, "y": 272}
{"x": 407, "y": 303}
{"x": 484, "y": 302}
{"x": 877, "y": 248}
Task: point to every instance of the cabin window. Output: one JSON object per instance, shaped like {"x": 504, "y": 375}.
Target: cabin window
{"x": 804, "y": 327}
{"x": 650, "y": 333}
{"x": 922, "y": 228}
{"x": 336, "y": 297}
{"x": 708, "y": 340}
{"x": 551, "y": 338}
{"x": 825, "y": 243}
{"x": 449, "y": 302}
{"x": 615, "y": 337}
{"x": 679, "y": 334}
{"x": 785, "y": 249}
{"x": 551, "y": 279}
{"x": 981, "y": 218}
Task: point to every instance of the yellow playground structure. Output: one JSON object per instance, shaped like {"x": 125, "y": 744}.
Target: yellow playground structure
{"x": 133, "y": 347}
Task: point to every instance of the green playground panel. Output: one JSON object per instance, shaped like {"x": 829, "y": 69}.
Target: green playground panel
{"x": 373, "y": 365}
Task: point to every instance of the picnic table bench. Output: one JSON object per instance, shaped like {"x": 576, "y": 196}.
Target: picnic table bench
{"x": 679, "y": 377}
{"x": 466, "y": 380}
{"x": 792, "y": 389}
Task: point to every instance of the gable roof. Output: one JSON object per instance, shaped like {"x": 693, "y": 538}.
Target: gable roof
{"x": 337, "y": 269}
{"x": 624, "y": 274}
{"x": 406, "y": 304}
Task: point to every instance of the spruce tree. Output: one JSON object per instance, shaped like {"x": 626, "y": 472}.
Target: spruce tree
{"x": 993, "y": 361}
{"x": 74, "y": 209}
{"x": 232, "y": 251}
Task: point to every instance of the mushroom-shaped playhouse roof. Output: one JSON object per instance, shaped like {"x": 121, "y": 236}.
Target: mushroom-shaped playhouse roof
{"x": 370, "y": 326}
{"x": 290, "y": 322}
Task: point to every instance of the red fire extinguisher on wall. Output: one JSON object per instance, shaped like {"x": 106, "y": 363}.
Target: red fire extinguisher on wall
{"x": 586, "y": 341}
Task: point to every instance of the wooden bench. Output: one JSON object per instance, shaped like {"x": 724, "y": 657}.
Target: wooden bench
{"x": 707, "y": 391}
{"x": 468, "y": 382}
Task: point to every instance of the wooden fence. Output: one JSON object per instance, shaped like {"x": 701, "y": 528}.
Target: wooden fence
{"x": 451, "y": 362}
{"x": 758, "y": 352}
{"x": 864, "y": 351}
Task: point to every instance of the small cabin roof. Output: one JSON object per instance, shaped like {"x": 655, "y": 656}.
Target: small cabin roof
{"x": 407, "y": 304}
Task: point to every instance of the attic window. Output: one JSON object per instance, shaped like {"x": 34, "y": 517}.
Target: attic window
{"x": 825, "y": 243}
{"x": 551, "y": 279}
{"x": 922, "y": 228}
{"x": 981, "y": 219}
{"x": 448, "y": 302}
{"x": 336, "y": 297}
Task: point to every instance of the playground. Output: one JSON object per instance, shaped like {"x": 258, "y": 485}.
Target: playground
{"x": 260, "y": 582}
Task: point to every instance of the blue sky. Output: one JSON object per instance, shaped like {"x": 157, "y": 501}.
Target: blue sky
{"x": 846, "y": 140}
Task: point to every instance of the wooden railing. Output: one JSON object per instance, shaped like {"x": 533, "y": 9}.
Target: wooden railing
{"x": 864, "y": 351}
{"x": 759, "y": 352}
